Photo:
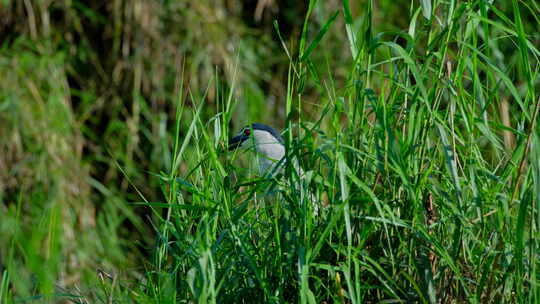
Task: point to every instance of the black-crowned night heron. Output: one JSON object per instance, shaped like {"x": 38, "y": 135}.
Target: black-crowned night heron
{"x": 269, "y": 147}
{"x": 266, "y": 142}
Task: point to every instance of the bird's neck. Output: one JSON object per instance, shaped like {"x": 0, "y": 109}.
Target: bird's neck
{"x": 269, "y": 151}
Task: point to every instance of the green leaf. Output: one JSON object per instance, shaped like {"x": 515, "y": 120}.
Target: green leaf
{"x": 319, "y": 37}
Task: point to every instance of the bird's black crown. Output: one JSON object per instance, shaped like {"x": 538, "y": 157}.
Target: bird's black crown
{"x": 263, "y": 127}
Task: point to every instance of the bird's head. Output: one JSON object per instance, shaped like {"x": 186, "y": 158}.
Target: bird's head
{"x": 256, "y": 135}
{"x": 264, "y": 140}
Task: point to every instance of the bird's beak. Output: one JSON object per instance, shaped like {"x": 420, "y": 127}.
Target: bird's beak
{"x": 237, "y": 141}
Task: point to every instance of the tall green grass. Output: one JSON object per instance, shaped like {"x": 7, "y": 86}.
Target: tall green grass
{"x": 423, "y": 202}
{"x": 421, "y": 152}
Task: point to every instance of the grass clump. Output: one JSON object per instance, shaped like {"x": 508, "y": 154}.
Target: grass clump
{"x": 424, "y": 200}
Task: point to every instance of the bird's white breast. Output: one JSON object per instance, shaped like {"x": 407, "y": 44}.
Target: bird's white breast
{"x": 270, "y": 151}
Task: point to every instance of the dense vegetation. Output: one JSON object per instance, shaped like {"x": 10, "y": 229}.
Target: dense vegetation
{"x": 416, "y": 123}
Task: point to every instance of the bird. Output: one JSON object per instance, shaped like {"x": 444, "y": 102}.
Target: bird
{"x": 266, "y": 142}
{"x": 269, "y": 148}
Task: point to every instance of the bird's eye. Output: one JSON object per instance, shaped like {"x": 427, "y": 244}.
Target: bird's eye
{"x": 247, "y": 132}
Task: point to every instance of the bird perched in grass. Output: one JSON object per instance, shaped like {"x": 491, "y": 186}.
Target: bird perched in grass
{"x": 269, "y": 147}
{"x": 265, "y": 141}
